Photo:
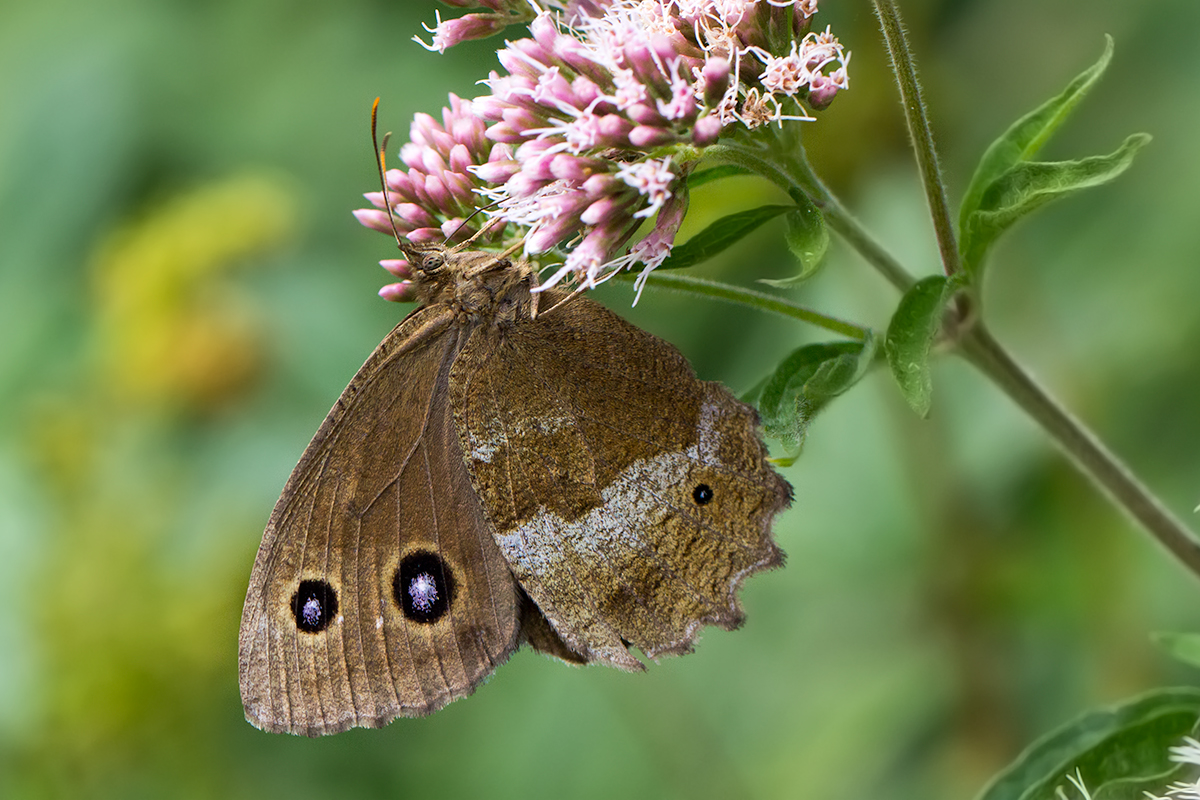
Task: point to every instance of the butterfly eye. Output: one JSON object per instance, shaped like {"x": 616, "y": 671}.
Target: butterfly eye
{"x": 314, "y": 605}
{"x": 423, "y": 587}
{"x": 702, "y": 494}
{"x": 433, "y": 262}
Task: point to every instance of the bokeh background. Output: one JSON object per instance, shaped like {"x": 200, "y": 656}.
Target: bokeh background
{"x": 183, "y": 294}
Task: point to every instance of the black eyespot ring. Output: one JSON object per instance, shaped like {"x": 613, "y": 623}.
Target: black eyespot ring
{"x": 423, "y": 587}
{"x": 314, "y": 605}
{"x": 702, "y": 494}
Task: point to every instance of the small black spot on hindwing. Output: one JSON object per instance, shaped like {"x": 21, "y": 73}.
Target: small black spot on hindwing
{"x": 314, "y": 605}
{"x": 423, "y": 587}
{"x": 702, "y": 494}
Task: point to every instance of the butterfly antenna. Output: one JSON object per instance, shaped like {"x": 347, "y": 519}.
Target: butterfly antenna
{"x": 381, "y": 165}
{"x": 512, "y": 248}
{"x": 486, "y": 226}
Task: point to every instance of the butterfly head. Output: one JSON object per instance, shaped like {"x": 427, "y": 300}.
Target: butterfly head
{"x": 476, "y": 282}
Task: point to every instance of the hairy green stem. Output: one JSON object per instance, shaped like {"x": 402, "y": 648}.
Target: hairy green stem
{"x": 751, "y": 299}
{"x": 1087, "y": 452}
{"x": 905, "y": 70}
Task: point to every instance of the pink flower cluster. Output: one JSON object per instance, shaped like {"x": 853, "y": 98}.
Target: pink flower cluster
{"x": 597, "y": 121}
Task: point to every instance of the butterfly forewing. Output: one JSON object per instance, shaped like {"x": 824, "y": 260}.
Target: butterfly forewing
{"x": 378, "y": 590}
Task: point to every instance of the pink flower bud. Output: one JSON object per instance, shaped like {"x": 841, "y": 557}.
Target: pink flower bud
{"x": 456, "y": 229}
{"x": 460, "y": 159}
{"x": 538, "y": 169}
{"x": 821, "y": 91}
{"x": 642, "y": 61}
{"x": 490, "y": 107}
{"x": 544, "y": 31}
{"x": 645, "y": 114}
{"x": 399, "y": 184}
{"x": 500, "y": 152}
{"x": 595, "y": 247}
{"x": 439, "y": 195}
{"x": 553, "y": 88}
{"x": 401, "y": 292}
{"x": 422, "y": 158}
{"x": 521, "y": 119}
{"x": 458, "y": 107}
{"x": 414, "y": 215}
{"x": 669, "y": 47}
{"x": 532, "y": 52}
{"x": 397, "y": 266}
{"x": 566, "y": 167}
{"x": 533, "y": 148}
{"x": 585, "y": 91}
{"x": 374, "y": 219}
{"x": 423, "y": 235}
{"x": 644, "y": 136}
{"x": 496, "y": 172}
{"x": 613, "y": 128}
{"x": 469, "y": 132}
{"x": 601, "y": 210}
{"x": 601, "y": 184}
{"x": 515, "y": 65}
{"x": 503, "y": 132}
{"x": 522, "y": 185}
{"x": 706, "y": 131}
{"x": 546, "y": 235}
{"x": 461, "y": 188}
{"x": 425, "y": 132}
{"x": 716, "y": 80}
{"x": 467, "y": 28}
{"x": 802, "y": 17}
{"x": 420, "y": 196}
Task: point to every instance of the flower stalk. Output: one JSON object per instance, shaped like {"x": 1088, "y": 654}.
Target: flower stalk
{"x": 1084, "y": 448}
{"x": 919, "y": 130}
{"x": 749, "y": 298}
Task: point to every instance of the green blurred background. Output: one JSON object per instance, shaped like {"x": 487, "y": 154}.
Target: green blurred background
{"x": 183, "y": 294}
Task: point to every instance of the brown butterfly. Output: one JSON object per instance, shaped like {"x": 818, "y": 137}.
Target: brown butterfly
{"x": 490, "y": 477}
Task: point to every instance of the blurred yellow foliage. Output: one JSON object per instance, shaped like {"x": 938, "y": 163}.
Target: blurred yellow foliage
{"x": 172, "y": 330}
{"x": 128, "y": 628}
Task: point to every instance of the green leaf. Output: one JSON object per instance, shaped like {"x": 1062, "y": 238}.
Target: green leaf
{"x": 910, "y": 335}
{"x": 1030, "y": 185}
{"x": 703, "y": 176}
{"x": 1183, "y": 647}
{"x": 1119, "y": 751}
{"x": 720, "y": 235}
{"x": 808, "y": 239}
{"x": 804, "y": 383}
{"x": 1025, "y": 138}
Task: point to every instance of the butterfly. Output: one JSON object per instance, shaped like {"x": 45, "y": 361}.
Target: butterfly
{"x": 490, "y": 477}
